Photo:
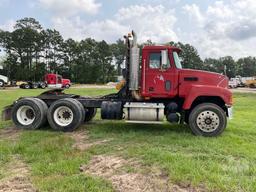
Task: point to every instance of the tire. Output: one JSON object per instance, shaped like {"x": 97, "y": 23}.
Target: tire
{"x": 34, "y": 86}
{"x": 1, "y": 83}
{"x": 45, "y": 109}
{"x": 43, "y": 86}
{"x": 66, "y": 115}
{"x": 29, "y": 113}
{"x": 252, "y": 86}
{"x": 90, "y": 114}
{"x": 26, "y": 86}
{"x": 67, "y": 86}
{"x": 207, "y": 119}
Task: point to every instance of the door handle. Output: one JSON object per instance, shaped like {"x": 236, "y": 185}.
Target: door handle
{"x": 168, "y": 85}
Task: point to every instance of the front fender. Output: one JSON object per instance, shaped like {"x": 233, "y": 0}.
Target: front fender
{"x": 213, "y": 91}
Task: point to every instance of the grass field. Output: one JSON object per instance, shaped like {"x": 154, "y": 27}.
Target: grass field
{"x": 225, "y": 163}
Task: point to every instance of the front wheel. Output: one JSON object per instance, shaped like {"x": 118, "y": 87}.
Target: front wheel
{"x": 207, "y": 119}
{"x": 43, "y": 86}
{"x": 27, "y": 86}
{"x": 1, "y": 83}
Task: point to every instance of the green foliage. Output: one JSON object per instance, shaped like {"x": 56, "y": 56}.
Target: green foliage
{"x": 33, "y": 51}
{"x": 119, "y": 50}
{"x": 247, "y": 66}
{"x": 189, "y": 55}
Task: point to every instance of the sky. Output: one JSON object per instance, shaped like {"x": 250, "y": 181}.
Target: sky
{"x": 215, "y": 28}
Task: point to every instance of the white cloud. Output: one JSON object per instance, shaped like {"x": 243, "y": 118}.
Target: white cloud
{"x": 220, "y": 10}
{"x": 155, "y": 23}
{"x": 226, "y": 28}
{"x": 70, "y": 7}
{"x": 8, "y": 25}
{"x": 99, "y": 30}
{"x": 194, "y": 13}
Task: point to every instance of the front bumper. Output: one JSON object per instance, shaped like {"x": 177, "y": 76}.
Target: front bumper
{"x": 230, "y": 112}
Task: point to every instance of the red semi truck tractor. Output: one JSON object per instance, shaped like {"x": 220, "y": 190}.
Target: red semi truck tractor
{"x": 56, "y": 81}
{"x": 157, "y": 90}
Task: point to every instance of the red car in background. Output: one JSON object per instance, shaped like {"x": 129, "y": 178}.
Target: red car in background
{"x": 56, "y": 81}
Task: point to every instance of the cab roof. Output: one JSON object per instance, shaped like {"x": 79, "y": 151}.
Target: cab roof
{"x": 161, "y": 47}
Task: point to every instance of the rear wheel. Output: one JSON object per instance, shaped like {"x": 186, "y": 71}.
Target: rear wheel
{"x": 34, "y": 86}
{"x": 208, "y": 120}
{"x": 29, "y": 113}
{"x": 66, "y": 115}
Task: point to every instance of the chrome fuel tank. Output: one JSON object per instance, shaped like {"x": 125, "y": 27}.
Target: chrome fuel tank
{"x": 144, "y": 111}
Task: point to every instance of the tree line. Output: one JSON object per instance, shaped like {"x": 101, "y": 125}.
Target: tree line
{"x": 32, "y": 51}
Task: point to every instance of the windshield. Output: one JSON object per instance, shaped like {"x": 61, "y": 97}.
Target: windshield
{"x": 177, "y": 60}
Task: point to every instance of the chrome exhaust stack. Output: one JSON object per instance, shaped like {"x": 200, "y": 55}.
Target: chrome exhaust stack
{"x": 134, "y": 68}
{"x": 134, "y": 64}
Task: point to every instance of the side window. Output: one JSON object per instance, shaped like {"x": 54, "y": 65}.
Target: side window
{"x": 155, "y": 61}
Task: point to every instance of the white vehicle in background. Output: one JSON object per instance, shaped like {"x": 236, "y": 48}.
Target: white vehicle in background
{"x": 234, "y": 82}
{"x": 3, "y": 80}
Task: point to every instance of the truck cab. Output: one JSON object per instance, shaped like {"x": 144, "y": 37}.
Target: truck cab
{"x": 162, "y": 77}
{"x": 199, "y": 98}
{"x": 160, "y": 71}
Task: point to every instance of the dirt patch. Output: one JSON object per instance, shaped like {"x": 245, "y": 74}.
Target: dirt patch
{"x": 82, "y": 141}
{"x": 17, "y": 177}
{"x": 10, "y": 133}
{"x": 113, "y": 168}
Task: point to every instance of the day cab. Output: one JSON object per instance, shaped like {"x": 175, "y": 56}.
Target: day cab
{"x": 56, "y": 81}
{"x": 164, "y": 79}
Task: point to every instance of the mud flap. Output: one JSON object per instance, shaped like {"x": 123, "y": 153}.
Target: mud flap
{"x": 7, "y": 113}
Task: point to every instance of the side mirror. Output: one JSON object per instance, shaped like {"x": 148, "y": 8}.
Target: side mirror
{"x": 164, "y": 56}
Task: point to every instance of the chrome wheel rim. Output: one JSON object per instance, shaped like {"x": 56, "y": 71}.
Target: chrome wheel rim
{"x": 25, "y": 115}
{"x": 63, "y": 116}
{"x": 208, "y": 121}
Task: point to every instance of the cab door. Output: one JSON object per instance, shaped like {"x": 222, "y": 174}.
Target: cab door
{"x": 160, "y": 79}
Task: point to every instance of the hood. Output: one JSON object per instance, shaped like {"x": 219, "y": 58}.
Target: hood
{"x": 199, "y": 77}
{"x": 4, "y": 78}
{"x": 66, "y": 81}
